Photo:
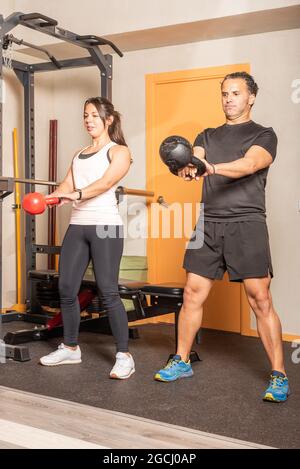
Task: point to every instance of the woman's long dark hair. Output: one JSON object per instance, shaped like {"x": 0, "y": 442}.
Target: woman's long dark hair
{"x": 106, "y": 109}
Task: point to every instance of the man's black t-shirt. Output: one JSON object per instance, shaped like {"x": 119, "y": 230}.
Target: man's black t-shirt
{"x": 225, "y": 198}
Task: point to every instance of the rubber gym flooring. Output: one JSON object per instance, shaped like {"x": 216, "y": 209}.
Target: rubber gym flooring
{"x": 223, "y": 397}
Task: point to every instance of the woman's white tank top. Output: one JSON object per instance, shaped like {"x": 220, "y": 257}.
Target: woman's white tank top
{"x": 99, "y": 210}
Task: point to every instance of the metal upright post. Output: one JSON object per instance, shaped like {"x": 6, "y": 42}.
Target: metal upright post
{"x": 104, "y": 63}
{"x": 28, "y": 83}
{"x": 106, "y": 79}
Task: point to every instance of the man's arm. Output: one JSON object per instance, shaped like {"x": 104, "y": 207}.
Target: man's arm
{"x": 199, "y": 152}
{"x": 255, "y": 159}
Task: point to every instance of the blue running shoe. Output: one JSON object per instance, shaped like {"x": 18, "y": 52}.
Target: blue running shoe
{"x": 175, "y": 369}
{"x": 278, "y": 390}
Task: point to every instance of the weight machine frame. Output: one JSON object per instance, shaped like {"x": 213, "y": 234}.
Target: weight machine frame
{"x": 26, "y": 73}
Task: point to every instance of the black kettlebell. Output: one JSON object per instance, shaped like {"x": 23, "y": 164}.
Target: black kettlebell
{"x": 176, "y": 152}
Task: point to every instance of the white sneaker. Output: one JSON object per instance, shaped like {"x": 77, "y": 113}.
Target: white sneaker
{"x": 124, "y": 366}
{"x": 62, "y": 356}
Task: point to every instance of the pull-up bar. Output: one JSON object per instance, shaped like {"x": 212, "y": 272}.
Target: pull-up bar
{"x": 9, "y": 38}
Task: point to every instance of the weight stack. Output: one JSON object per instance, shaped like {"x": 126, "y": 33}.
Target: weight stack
{"x": 47, "y": 294}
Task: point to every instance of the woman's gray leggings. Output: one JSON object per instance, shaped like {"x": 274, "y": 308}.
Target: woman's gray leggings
{"x": 104, "y": 245}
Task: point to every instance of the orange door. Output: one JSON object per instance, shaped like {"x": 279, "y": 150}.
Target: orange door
{"x": 184, "y": 103}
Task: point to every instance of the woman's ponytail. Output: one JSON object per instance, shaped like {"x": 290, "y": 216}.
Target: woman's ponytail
{"x": 115, "y": 130}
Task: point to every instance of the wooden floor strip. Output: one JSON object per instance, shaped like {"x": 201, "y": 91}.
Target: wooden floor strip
{"x": 6, "y": 445}
{"x": 102, "y": 427}
{"x": 29, "y": 437}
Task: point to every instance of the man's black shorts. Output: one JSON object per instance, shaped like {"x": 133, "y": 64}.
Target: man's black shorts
{"x": 241, "y": 248}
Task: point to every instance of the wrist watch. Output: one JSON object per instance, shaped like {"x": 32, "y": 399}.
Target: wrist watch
{"x": 79, "y": 192}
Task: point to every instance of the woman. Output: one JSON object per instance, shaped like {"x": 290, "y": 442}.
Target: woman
{"x": 95, "y": 232}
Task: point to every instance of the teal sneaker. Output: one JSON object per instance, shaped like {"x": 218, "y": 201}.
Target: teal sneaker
{"x": 278, "y": 390}
{"x": 175, "y": 369}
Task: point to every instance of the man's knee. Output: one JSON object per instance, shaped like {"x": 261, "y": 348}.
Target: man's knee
{"x": 194, "y": 294}
{"x": 261, "y": 302}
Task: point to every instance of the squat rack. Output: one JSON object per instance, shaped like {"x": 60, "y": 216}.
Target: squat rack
{"x": 25, "y": 73}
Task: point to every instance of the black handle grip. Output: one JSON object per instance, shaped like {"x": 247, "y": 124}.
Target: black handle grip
{"x": 201, "y": 168}
{"x": 99, "y": 41}
{"x": 47, "y": 21}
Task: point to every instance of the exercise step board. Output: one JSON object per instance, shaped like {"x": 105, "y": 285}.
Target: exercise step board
{"x": 20, "y": 354}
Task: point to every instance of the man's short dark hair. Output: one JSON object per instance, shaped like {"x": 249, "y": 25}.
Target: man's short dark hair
{"x": 252, "y": 86}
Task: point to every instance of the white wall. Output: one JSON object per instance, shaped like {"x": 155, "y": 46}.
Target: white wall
{"x": 7, "y": 7}
{"x": 117, "y": 16}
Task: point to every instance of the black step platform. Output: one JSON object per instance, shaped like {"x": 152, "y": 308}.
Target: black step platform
{"x": 20, "y": 354}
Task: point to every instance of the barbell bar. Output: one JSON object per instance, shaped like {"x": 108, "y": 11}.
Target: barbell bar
{"x": 7, "y": 183}
{"x": 29, "y": 181}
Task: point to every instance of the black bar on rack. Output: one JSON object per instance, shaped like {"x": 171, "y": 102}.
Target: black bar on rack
{"x": 45, "y": 249}
{"x": 67, "y": 63}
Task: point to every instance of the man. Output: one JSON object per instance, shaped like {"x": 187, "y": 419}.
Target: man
{"x": 237, "y": 156}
